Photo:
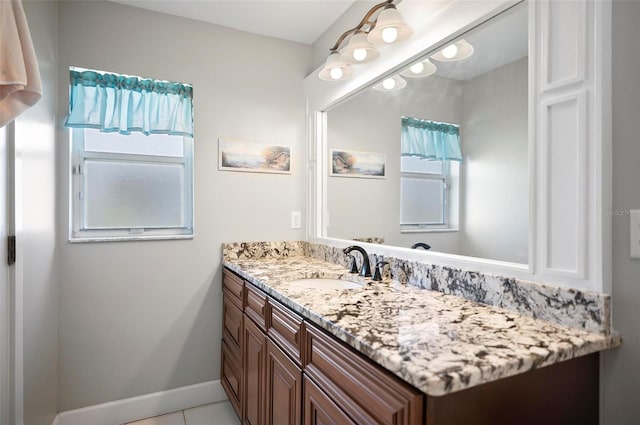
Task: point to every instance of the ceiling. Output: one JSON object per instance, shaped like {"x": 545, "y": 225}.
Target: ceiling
{"x": 497, "y": 42}
{"x": 302, "y": 21}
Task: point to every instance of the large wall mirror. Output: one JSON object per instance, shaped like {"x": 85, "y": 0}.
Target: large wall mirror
{"x": 395, "y": 174}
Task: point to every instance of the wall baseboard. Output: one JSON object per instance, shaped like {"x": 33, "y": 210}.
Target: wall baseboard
{"x": 144, "y": 406}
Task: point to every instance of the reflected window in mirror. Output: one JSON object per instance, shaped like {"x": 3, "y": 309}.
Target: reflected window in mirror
{"x": 430, "y": 152}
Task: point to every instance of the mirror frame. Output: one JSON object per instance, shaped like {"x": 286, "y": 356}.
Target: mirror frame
{"x": 579, "y": 257}
{"x": 452, "y": 21}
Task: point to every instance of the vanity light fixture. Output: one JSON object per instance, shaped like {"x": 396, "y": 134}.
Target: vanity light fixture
{"x": 420, "y": 69}
{"x": 335, "y": 69}
{"x": 394, "y": 83}
{"x": 454, "y": 52}
{"x": 387, "y": 28}
{"x": 360, "y": 50}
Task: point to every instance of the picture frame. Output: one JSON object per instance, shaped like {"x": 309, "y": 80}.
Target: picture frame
{"x": 253, "y": 157}
{"x": 348, "y": 163}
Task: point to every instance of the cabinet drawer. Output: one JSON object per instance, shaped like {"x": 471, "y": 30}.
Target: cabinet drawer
{"x": 319, "y": 409}
{"x": 232, "y": 324}
{"x": 366, "y": 392}
{"x": 231, "y": 378}
{"x": 233, "y": 285}
{"x": 285, "y": 328}
{"x": 255, "y": 305}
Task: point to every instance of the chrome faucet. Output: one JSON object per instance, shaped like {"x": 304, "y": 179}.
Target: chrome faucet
{"x": 365, "y": 271}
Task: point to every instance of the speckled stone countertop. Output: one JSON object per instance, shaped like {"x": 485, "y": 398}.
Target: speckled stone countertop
{"x": 436, "y": 342}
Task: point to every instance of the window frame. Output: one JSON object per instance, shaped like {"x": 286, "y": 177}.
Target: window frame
{"x": 77, "y": 159}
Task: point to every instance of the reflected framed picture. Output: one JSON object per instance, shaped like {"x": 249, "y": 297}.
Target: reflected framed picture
{"x": 252, "y": 157}
{"x": 345, "y": 163}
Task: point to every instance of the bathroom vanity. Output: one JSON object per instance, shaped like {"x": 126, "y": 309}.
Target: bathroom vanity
{"x": 449, "y": 336}
{"x": 392, "y": 353}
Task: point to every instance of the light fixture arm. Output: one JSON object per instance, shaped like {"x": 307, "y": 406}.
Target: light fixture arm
{"x": 365, "y": 21}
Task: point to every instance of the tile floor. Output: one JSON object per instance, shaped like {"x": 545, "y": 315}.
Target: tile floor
{"x": 210, "y": 414}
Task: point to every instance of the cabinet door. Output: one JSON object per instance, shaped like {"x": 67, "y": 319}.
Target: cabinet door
{"x": 254, "y": 361}
{"x": 319, "y": 409}
{"x": 284, "y": 388}
{"x": 231, "y": 378}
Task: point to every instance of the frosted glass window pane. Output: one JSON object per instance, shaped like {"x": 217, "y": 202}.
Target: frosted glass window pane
{"x": 133, "y": 195}
{"x": 135, "y": 143}
{"x": 422, "y": 201}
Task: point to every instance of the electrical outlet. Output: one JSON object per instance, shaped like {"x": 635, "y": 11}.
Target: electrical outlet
{"x": 296, "y": 219}
{"x": 634, "y": 233}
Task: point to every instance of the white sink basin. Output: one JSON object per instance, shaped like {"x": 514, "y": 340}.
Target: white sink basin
{"x": 314, "y": 283}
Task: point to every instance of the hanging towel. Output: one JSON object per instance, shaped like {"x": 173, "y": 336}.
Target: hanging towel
{"x": 20, "y": 85}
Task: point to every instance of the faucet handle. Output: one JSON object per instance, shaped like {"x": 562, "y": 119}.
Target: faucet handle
{"x": 377, "y": 274}
{"x": 353, "y": 267}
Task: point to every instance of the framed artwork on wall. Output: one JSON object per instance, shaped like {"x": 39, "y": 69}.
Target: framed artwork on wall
{"x": 345, "y": 163}
{"x": 236, "y": 155}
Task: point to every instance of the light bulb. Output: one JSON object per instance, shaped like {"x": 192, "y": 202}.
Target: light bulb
{"x": 336, "y": 73}
{"x": 417, "y": 68}
{"x": 360, "y": 54}
{"x": 389, "y": 83}
{"x": 450, "y": 52}
{"x": 389, "y": 35}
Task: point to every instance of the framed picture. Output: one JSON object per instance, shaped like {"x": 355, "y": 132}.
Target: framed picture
{"x": 345, "y": 163}
{"x": 235, "y": 155}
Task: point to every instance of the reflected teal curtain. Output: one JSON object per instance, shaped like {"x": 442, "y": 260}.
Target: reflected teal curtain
{"x": 112, "y": 102}
{"x": 431, "y": 140}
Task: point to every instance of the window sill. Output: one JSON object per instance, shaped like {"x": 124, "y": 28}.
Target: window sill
{"x": 130, "y": 238}
{"x": 443, "y": 230}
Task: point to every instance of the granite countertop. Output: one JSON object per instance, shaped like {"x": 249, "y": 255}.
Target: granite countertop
{"x": 436, "y": 342}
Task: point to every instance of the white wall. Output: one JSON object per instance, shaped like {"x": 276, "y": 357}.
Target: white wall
{"x": 36, "y": 155}
{"x": 621, "y": 375}
{"x": 140, "y": 317}
{"x": 494, "y": 212}
{"x": 371, "y": 122}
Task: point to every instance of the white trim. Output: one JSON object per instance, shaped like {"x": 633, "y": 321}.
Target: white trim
{"x": 578, "y": 270}
{"x": 144, "y": 406}
{"x": 578, "y": 75}
{"x": 5, "y": 283}
{"x": 16, "y": 277}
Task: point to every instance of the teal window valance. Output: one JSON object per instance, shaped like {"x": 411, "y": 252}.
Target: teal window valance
{"x": 431, "y": 140}
{"x": 122, "y": 103}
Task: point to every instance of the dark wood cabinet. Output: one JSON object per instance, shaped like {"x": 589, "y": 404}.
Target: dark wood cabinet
{"x": 233, "y": 288}
{"x": 284, "y": 388}
{"x": 255, "y": 305}
{"x": 232, "y": 326}
{"x": 231, "y": 378}
{"x": 279, "y": 369}
{"x": 285, "y": 328}
{"x": 232, "y": 320}
{"x": 319, "y": 409}
{"x": 253, "y": 368}
{"x": 366, "y": 392}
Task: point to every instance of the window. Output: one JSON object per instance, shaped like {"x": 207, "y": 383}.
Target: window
{"x": 429, "y": 168}
{"x": 131, "y": 186}
{"x": 131, "y": 173}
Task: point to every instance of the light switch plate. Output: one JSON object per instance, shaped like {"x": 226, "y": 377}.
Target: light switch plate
{"x": 634, "y": 233}
{"x": 296, "y": 219}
